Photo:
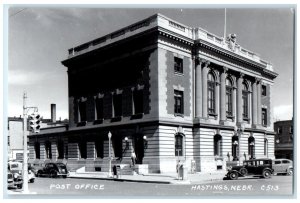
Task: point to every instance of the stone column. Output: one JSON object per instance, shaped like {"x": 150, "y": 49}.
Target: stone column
{"x": 204, "y": 89}
{"x": 254, "y": 103}
{"x": 223, "y": 95}
{"x": 259, "y": 102}
{"x": 198, "y": 81}
{"x": 239, "y": 98}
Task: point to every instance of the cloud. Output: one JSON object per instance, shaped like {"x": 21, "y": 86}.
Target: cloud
{"x": 24, "y": 78}
{"x": 283, "y": 112}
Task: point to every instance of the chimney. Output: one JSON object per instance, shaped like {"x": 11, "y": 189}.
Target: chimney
{"x": 53, "y": 113}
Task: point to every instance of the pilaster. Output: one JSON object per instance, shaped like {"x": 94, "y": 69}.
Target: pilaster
{"x": 204, "y": 89}
{"x": 198, "y": 81}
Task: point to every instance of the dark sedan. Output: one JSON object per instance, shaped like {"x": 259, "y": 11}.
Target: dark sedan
{"x": 53, "y": 170}
{"x": 261, "y": 167}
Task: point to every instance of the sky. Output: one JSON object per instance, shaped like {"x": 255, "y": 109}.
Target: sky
{"x": 39, "y": 39}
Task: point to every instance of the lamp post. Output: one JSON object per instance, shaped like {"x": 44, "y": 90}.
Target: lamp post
{"x": 126, "y": 143}
{"x": 25, "y": 164}
{"x": 109, "y": 154}
{"x": 145, "y": 142}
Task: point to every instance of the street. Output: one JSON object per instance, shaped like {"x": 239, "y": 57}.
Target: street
{"x": 250, "y": 186}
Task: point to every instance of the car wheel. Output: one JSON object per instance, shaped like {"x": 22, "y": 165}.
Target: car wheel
{"x": 31, "y": 180}
{"x": 233, "y": 176}
{"x": 290, "y": 172}
{"x": 266, "y": 173}
{"x": 53, "y": 174}
{"x": 64, "y": 176}
{"x": 19, "y": 186}
{"x": 243, "y": 171}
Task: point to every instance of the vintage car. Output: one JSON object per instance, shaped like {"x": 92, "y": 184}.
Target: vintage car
{"x": 10, "y": 180}
{"x": 261, "y": 167}
{"x": 53, "y": 170}
{"x": 283, "y": 166}
{"x": 17, "y": 167}
{"x": 14, "y": 180}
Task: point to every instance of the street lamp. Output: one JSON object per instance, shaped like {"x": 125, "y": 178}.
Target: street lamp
{"x": 126, "y": 143}
{"x": 145, "y": 142}
{"x": 109, "y": 154}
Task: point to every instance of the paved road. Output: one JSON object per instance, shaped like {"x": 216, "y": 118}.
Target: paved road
{"x": 277, "y": 185}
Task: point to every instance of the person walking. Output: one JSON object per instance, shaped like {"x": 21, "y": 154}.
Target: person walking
{"x": 133, "y": 158}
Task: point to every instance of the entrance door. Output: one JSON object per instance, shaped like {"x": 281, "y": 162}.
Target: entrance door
{"x": 139, "y": 148}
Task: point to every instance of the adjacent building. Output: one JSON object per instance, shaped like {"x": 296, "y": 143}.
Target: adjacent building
{"x": 166, "y": 92}
{"x": 15, "y": 138}
{"x": 284, "y": 139}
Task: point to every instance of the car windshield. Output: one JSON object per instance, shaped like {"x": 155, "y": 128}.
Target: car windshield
{"x": 61, "y": 165}
{"x": 14, "y": 166}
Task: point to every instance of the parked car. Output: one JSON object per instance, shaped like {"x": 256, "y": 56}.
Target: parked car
{"x": 17, "y": 167}
{"x": 10, "y": 180}
{"x": 53, "y": 170}
{"x": 283, "y": 166}
{"x": 262, "y": 167}
{"x": 14, "y": 180}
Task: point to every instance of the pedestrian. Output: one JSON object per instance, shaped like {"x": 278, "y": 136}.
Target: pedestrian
{"x": 133, "y": 158}
{"x": 115, "y": 171}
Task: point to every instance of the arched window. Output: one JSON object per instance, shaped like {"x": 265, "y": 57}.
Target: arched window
{"x": 229, "y": 87}
{"x": 211, "y": 83}
{"x": 218, "y": 145}
{"x": 37, "y": 150}
{"x": 179, "y": 140}
{"x": 48, "y": 150}
{"x": 251, "y": 147}
{"x": 235, "y": 148}
{"x": 245, "y": 99}
{"x": 266, "y": 147}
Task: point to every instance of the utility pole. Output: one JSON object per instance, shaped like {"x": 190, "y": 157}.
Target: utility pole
{"x": 35, "y": 125}
{"x": 25, "y": 164}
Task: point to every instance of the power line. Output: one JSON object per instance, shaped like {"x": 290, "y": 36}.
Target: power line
{"x": 17, "y": 12}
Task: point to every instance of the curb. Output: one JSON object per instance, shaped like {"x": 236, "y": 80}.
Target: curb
{"x": 123, "y": 180}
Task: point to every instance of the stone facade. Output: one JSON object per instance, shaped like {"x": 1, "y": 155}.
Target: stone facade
{"x": 284, "y": 139}
{"x": 167, "y": 92}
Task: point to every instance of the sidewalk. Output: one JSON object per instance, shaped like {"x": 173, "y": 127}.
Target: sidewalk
{"x": 197, "y": 178}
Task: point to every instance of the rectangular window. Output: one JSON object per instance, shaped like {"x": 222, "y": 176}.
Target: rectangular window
{"x": 264, "y": 90}
{"x": 138, "y": 101}
{"x": 99, "y": 108}
{"x": 178, "y": 97}
{"x": 228, "y": 101}
{"x": 211, "y": 97}
{"x": 264, "y": 117}
{"x": 279, "y": 130}
{"x": 178, "y": 65}
{"x": 117, "y": 104}
{"x": 245, "y": 104}
{"x": 82, "y": 111}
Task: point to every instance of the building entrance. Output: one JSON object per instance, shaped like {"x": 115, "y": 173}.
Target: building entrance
{"x": 139, "y": 148}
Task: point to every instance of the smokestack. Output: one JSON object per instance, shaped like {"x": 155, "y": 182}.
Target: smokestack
{"x": 53, "y": 113}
